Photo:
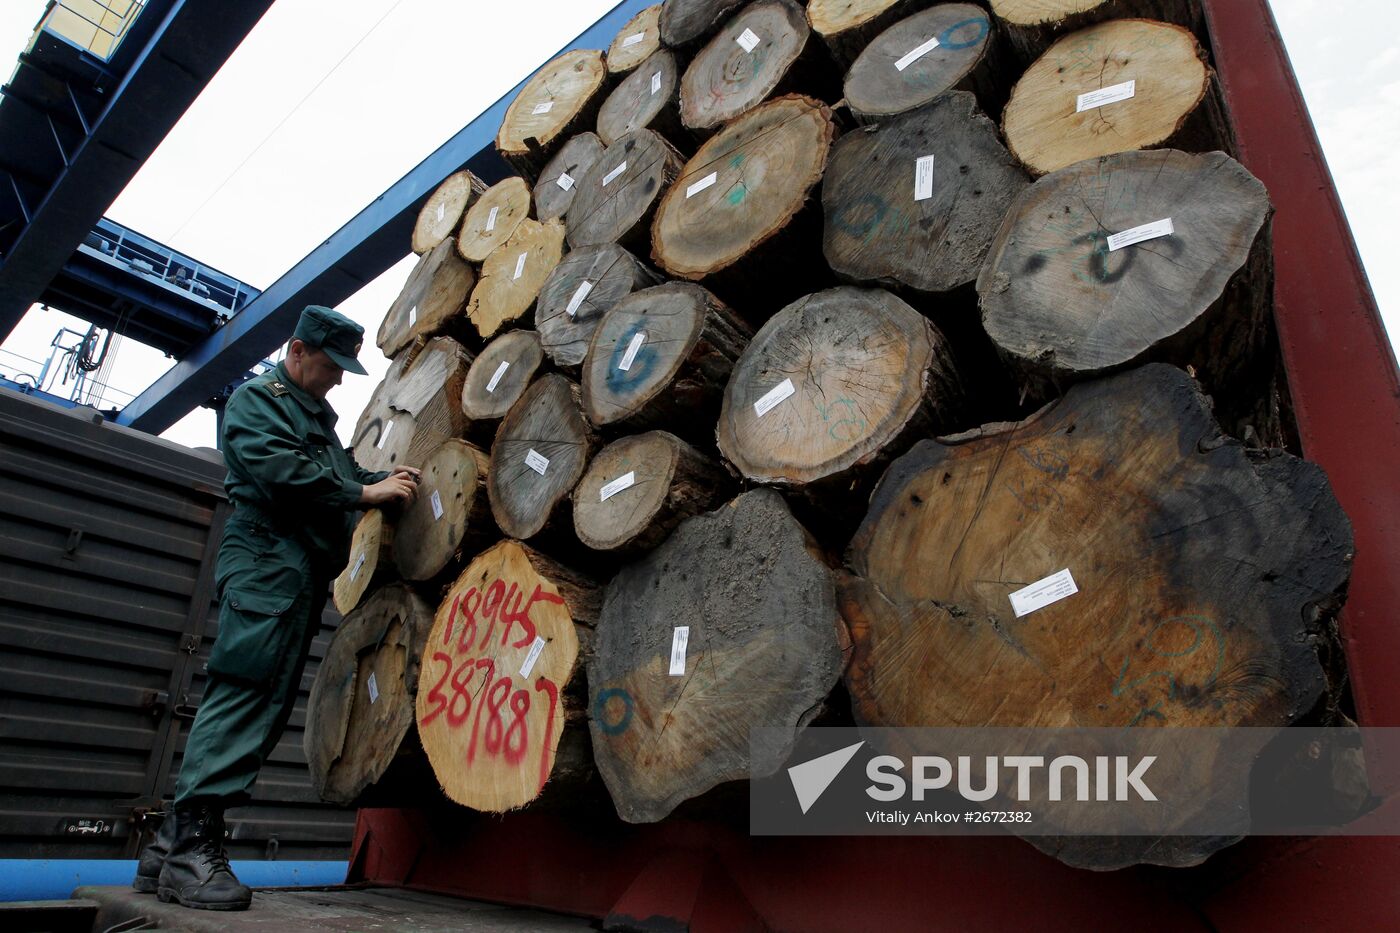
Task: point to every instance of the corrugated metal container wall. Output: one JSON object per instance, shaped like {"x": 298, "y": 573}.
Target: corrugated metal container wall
{"x": 107, "y": 546}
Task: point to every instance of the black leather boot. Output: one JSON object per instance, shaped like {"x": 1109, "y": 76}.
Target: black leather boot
{"x": 153, "y": 857}
{"x": 196, "y": 872}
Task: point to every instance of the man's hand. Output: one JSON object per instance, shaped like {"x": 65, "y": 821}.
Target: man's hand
{"x": 400, "y": 487}
{"x": 413, "y": 472}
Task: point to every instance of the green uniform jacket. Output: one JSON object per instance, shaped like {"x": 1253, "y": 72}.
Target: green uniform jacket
{"x": 295, "y": 490}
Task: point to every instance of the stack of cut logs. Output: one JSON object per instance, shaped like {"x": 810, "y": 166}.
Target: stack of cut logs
{"x": 888, "y": 362}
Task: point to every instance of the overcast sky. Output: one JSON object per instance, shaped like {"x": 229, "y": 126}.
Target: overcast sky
{"x": 422, "y": 69}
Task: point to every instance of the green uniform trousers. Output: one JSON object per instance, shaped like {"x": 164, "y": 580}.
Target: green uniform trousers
{"x": 240, "y": 719}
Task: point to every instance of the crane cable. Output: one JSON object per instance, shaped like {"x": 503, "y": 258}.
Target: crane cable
{"x": 280, "y": 123}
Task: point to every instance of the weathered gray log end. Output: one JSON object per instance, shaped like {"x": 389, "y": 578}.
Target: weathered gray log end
{"x": 581, "y": 289}
{"x": 917, "y": 200}
{"x": 687, "y": 23}
{"x": 669, "y": 720}
{"x": 945, "y": 47}
{"x": 541, "y": 449}
{"x": 1061, "y": 303}
{"x": 558, "y": 183}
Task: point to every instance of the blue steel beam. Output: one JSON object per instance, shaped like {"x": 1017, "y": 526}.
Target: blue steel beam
{"x": 144, "y": 307}
{"x": 373, "y": 241}
{"x": 192, "y": 41}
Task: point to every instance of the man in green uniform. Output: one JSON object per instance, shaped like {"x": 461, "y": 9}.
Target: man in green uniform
{"x": 295, "y": 490}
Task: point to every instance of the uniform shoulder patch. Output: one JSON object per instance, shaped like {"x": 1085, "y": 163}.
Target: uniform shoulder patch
{"x": 277, "y": 389}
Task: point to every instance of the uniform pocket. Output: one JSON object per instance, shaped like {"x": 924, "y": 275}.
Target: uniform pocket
{"x": 255, "y": 632}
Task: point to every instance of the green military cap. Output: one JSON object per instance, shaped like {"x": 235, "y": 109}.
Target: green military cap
{"x": 328, "y": 330}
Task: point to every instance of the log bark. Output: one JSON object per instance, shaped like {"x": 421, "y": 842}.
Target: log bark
{"x": 868, "y": 375}
{"x": 1061, "y": 306}
{"x": 635, "y": 41}
{"x": 1032, "y": 26}
{"x": 359, "y": 717}
{"x": 966, "y": 58}
{"x": 763, "y": 651}
{"x": 738, "y": 217}
{"x": 560, "y": 100}
{"x": 554, "y": 192}
{"x": 371, "y": 561}
{"x": 1176, "y": 103}
{"x": 617, "y": 198}
{"x": 686, "y": 24}
{"x": 541, "y": 449}
{"x": 688, "y": 345}
{"x": 414, "y": 409}
{"x": 451, "y": 515}
{"x": 848, "y": 26}
{"x": 494, "y": 218}
{"x": 639, "y": 488}
{"x": 436, "y": 291}
{"x": 490, "y": 391}
{"x": 647, "y": 99}
{"x": 1205, "y": 579}
{"x": 894, "y": 219}
{"x": 501, "y": 657}
{"x": 765, "y": 51}
{"x": 580, "y": 290}
{"x": 512, "y": 275}
{"x": 442, "y": 212}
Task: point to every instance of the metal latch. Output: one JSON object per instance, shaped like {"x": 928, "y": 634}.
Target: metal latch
{"x": 184, "y": 709}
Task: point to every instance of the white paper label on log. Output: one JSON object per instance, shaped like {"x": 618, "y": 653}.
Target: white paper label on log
{"x": 355, "y": 570}
{"x": 545, "y": 107}
{"x": 385, "y": 436}
{"x": 442, "y": 211}
{"x": 630, "y": 357}
{"x": 412, "y": 315}
{"x": 625, "y": 481}
{"x": 678, "y": 642}
{"x": 565, "y": 181}
{"x": 491, "y": 219}
{"x": 1108, "y": 95}
{"x": 656, "y": 83}
{"x": 772, "y": 397}
{"x": 1158, "y": 228}
{"x": 915, "y": 54}
{"x": 373, "y": 688}
{"x": 748, "y": 40}
{"x": 520, "y": 265}
{"x": 536, "y": 647}
{"x": 633, "y": 39}
{"x": 496, "y": 376}
{"x": 701, "y": 185}
{"x": 535, "y": 462}
{"x": 1042, "y": 593}
{"x": 923, "y": 178}
{"x": 610, "y": 176}
{"x": 580, "y": 293}
{"x": 437, "y": 506}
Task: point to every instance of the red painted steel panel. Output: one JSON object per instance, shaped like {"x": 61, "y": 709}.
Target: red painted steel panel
{"x": 591, "y": 863}
{"x": 1341, "y": 369}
